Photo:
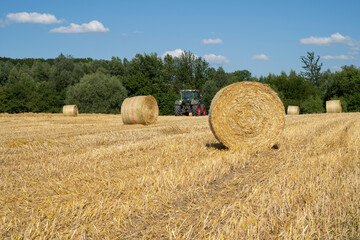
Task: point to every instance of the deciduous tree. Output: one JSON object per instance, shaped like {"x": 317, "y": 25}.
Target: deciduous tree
{"x": 312, "y": 68}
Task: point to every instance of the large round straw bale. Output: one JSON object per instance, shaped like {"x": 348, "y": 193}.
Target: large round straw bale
{"x": 70, "y": 110}
{"x": 333, "y": 106}
{"x": 139, "y": 109}
{"x": 247, "y": 116}
{"x": 293, "y": 110}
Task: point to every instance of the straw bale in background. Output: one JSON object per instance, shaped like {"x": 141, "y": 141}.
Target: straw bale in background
{"x": 333, "y": 106}
{"x": 70, "y": 110}
{"x": 293, "y": 110}
{"x": 139, "y": 109}
{"x": 247, "y": 115}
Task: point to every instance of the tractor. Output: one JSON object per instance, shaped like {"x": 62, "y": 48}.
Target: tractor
{"x": 189, "y": 102}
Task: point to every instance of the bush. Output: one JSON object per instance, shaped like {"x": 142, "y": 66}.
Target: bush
{"x": 353, "y": 102}
{"x": 209, "y": 91}
{"x": 313, "y": 104}
{"x": 97, "y": 93}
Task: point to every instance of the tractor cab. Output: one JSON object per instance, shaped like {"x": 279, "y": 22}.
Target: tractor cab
{"x": 189, "y": 102}
{"x": 189, "y": 95}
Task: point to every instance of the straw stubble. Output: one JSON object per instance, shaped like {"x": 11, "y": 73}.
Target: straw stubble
{"x": 95, "y": 178}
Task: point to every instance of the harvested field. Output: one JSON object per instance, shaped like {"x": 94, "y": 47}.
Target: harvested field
{"x": 91, "y": 177}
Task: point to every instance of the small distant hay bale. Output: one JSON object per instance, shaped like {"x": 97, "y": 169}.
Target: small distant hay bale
{"x": 293, "y": 110}
{"x": 70, "y": 110}
{"x": 247, "y": 116}
{"x": 139, "y": 110}
{"x": 333, "y": 106}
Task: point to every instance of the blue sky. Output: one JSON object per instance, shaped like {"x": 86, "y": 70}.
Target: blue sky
{"x": 260, "y": 36}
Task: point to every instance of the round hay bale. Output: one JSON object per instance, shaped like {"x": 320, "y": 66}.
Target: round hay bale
{"x": 70, "y": 110}
{"x": 293, "y": 110}
{"x": 247, "y": 116}
{"x": 333, "y": 106}
{"x": 139, "y": 110}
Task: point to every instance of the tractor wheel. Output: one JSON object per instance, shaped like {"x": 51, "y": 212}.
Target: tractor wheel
{"x": 177, "y": 110}
{"x": 203, "y": 109}
{"x": 196, "y": 110}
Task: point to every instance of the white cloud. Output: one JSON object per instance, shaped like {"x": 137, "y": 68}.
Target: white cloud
{"x": 138, "y": 32}
{"x": 216, "y": 59}
{"x": 34, "y": 17}
{"x": 336, "y": 68}
{"x": 340, "y": 57}
{"x": 325, "y": 41}
{"x": 212, "y": 41}
{"x": 353, "y": 53}
{"x": 91, "y": 27}
{"x": 175, "y": 53}
{"x": 261, "y": 57}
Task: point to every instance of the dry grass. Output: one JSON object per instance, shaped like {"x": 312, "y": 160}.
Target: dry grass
{"x": 92, "y": 177}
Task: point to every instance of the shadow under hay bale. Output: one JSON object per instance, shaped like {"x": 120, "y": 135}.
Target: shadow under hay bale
{"x": 70, "y": 110}
{"x": 139, "y": 110}
{"x": 333, "y": 106}
{"x": 276, "y": 146}
{"x": 293, "y": 110}
{"x": 247, "y": 115}
{"x": 218, "y": 146}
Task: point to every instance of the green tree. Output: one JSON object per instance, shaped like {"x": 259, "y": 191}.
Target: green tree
{"x": 293, "y": 89}
{"x": 169, "y": 70}
{"x": 239, "y": 76}
{"x": 185, "y": 74}
{"x": 144, "y": 75}
{"x": 165, "y": 100}
{"x": 5, "y": 68}
{"x": 62, "y": 72}
{"x": 97, "y": 93}
{"x": 200, "y": 72}
{"x": 313, "y": 104}
{"x": 22, "y": 96}
{"x": 95, "y": 65}
{"x": 49, "y": 100}
{"x": 220, "y": 78}
{"x": 346, "y": 84}
{"x": 40, "y": 71}
{"x": 209, "y": 90}
{"x": 4, "y": 98}
{"x": 312, "y": 68}
{"x": 116, "y": 68}
{"x": 353, "y": 102}
{"x": 326, "y": 80}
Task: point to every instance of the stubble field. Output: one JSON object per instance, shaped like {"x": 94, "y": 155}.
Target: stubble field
{"x": 91, "y": 177}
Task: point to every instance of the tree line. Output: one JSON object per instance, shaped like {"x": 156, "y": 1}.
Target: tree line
{"x": 100, "y": 86}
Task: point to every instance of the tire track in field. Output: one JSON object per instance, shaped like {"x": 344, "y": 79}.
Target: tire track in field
{"x": 220, "y": 193}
